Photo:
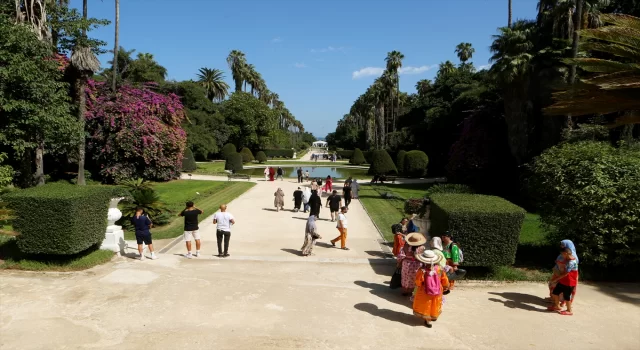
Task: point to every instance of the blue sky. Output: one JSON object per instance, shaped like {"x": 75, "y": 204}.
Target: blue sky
{"x": 319, "y": 56}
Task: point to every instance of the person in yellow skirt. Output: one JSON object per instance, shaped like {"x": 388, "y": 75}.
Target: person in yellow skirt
{"x": 431, "y": 282}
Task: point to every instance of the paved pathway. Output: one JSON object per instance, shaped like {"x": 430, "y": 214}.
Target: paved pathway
{"x": 265, "y": 296}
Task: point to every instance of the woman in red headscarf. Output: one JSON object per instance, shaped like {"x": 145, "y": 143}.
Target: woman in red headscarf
{"x": 272, "y": 174}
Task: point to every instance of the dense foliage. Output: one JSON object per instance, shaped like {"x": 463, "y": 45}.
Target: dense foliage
{"x": 60, "y": 219}
{"x": 228, "y": 150}
{"x": 590, "y": 193}
{"x": 279, "y": 153}
{"x": 251, "y": 122}
{"x": 247, "y": 156}
{"x": 233, "y": 162}
{"x": 486, "y": 227}
{"x": 139, "y": 134}
{"x": 382, "y": 164}
{"x": 415, "y": 164}
{"x": 357, "y": 158}
{"x": 400, "y": 160}
{"x": 448, "y": 188}
{"x": 188, "y": 161}
{"x": 261, "y": 157}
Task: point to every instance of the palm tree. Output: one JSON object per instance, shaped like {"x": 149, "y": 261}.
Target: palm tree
{"x": 247, "y": 72}
{"x": 116, "y": 48}
{"x": 510, "y": 13}
{"x": 465, "y": 52}
{"x": 394, "y": 63}
{"x": 423, "y": 87}
{"x": 237, "y": 62}
{"x": 213, "y": 82}
{"x": 84, "y": 64}
{"x": 446, "y": 67}
{"x": 615, "y": 87}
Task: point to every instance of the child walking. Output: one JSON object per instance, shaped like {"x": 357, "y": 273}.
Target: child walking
{"x": 567, "y": 281}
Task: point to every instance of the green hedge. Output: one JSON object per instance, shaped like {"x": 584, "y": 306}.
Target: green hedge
{"x": 234, "y": 162}
{"x": 228, "y": 150}
{"x": 261, "y": 157}
{"x": 415, "y": 164}
{"x": 357, "y": 158}
{"x": 487, "y": 227}
{"x": 382, "y": 164}
{"x": 247, "y": 156}
{"x": 188, "y": 162}
{"x": 279, "y": 153}
{"x": 346, "y": 154}
{"x": 400, "y": 160}
{"x": 60, "y": 219}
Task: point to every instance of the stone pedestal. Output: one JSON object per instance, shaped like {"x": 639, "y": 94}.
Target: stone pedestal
{"x": 295, "y": 155}
{"x": 114, "y": 237}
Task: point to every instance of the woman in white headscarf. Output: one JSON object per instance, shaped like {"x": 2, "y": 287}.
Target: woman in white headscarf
{"x": 310, "y": 236}
{"x": 436, "y": 246}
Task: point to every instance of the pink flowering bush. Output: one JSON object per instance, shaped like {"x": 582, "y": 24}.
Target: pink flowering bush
{"x": 134, "y": 134}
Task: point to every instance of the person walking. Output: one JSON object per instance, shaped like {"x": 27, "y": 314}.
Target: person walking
{"x": 565, "y": 283}
{"x": 314, "y": 186}
{"x": 407, "y": 260}
{"x": 272, "y": 173}
{"x": 142, "y": 225}
{"x": 342, "y": 228}
{"x": 299, "y": 175}
{"x": 278, "y": 201}
{"x": 297, "y": 199}
{"x": 190, "y": 214}
{"x": 355, "y": 186}
{"x": 280, "y": 174}
{"x": 315, "y": 203}
{"x": 223, "y": 221}
{"x": 334, "y": 202}
{"x": 560, "y": 266}
{"x": 266, "y": 174}
{"x": 398, "y": 238}
{"x": 431, "y": 282}
{"x": 306, "y": 175}
{"x": 452, "y": 253}
{"x": 328, "y": 185}
{"x": 310, "y": 236}
{"x": 306, "y": 195}
{"x": 436, "y": 247}
{"x": 346, "y": 194}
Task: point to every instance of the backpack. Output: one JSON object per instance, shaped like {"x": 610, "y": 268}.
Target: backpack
{"x": 459, "y": 251}
{"x": 432, "y": 285}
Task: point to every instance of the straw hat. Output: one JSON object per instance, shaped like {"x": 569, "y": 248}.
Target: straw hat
{"x": 429, "y": 257}
{"x": 416, "y": 239}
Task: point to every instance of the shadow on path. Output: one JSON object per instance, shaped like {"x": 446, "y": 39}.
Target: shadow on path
{"x": 296, "y": 252}
{"x": 379, "y": 254}
{"x": 625, "y": 292}
{"x": 324, "y": 245}
{"x": 522, "y": 301}
{"x": 383, "y": 291}
{"x": 395, "y": 316}
{"x": 305, "y": 219}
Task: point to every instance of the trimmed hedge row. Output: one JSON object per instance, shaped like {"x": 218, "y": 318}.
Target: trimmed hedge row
{"x": 247, "y": 156}
{"x": 382, "y": 164}
{"x": 357, "y": 158}
{"x": 234, "y": 162}
{"x": 345, "y": 154}
{"x": 188, "y": 162}
{"x": 60, "y": 219}
{"x": 486, "y": 227}
{"x": 228, "y": 149}
{"x": 415, "y": 164}
{"x": 281, "y": 153}
{"x": 261, "y": 157}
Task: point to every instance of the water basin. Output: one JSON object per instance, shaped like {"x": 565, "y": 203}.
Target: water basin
{"x": 314, "y": 171}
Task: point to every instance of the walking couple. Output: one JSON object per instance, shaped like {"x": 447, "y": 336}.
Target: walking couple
{"x": 223, "y": 221}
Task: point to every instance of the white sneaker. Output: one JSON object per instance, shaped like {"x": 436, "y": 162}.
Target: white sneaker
{"x": 141, "y": 256}
{"x": 197, "y": 254}
{"x": 188, "y": 256}
{"x": 154, "y": 256}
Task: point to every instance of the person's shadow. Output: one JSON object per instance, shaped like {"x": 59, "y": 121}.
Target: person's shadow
{"x": 522, "y": 301}
{"x": 385, "y": 292}
{"x": 390, "y": 315}
{"x": 296, "y": 252}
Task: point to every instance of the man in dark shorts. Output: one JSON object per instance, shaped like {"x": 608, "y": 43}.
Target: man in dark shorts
{"x": 346, "y": 193}
{"x": 190, "y": 214}
{"x": 142, "y": 225}
{"x": 334, "y": 202}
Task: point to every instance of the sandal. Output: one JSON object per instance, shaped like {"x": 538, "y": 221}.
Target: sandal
{"x": 553, "y": 308}
{"x": 427, "y": 324}
{"x": 566, "y": 313}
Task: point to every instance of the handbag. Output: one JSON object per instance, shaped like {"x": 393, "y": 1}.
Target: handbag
{"x": 396, "y": 279}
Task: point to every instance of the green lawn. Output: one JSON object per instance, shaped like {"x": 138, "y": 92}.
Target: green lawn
{"x": 12, "y": 258}
{"x": 532, "y": 232}
{"x": 176, "y": 193}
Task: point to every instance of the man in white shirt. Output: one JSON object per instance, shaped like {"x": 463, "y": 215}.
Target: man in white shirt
{"x": 342, "y": 228}
{"x": 224, "y": 221}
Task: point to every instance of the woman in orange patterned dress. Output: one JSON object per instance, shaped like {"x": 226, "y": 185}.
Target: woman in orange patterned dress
{"x": 431, "y": 282}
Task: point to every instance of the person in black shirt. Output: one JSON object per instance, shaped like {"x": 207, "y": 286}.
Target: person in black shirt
{"x": 346, "y": 193}
{"x": 297, "y": 199}
{"x": 299, "y": 175}
{"x": 315, "y": 203}
{"x": 279, "y": 174}
{"x": 190, "y": 214}
{"x": 142, "y": 224}
{"x": 334, "y": 202}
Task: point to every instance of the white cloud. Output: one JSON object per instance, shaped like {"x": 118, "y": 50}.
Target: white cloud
{"x": 276, "y": 40}
{"x": 328, "y": 49}
{"x": 486, "y": 66}
{"x": 377, "y": 71}
{"x": 300, "y": 65}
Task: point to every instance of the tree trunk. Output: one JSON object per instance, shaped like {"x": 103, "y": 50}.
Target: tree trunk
{"x": 381, "y": 126}
{"x": 577, "y": 21}
{"x": 39, "y": 177}
{"x": 510, "y": 15}
{"x": 116, "y": 48}
{"x": 369, "y": 133}
{"x": 81, "y": 97}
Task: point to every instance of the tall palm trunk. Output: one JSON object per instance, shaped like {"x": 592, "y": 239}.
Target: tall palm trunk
{"x": 577, "y": 23}
{"x": 116, "y": 48}
{"x": 81, "y": 83}
{"x": 510, "y": 15}
{"x": 380, "y": 142}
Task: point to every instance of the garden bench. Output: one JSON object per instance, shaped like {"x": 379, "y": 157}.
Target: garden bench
{"x": 238, "y": 176}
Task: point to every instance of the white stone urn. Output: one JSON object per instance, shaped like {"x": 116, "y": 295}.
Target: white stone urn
{"x": 114, "y": 237}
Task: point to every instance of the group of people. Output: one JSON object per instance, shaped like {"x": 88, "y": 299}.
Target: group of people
{"x": 271, "y": 174}
{"x": 325, "y": 156}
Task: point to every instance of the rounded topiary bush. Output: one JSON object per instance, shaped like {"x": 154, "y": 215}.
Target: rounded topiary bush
{"x": 357, "y": 158}
{"x": 400, "y": 160}
{"x": 247, "y": 156}
{"x": 188, "y": 161}
{"x": 382, "y": 164}
{"x": 415, "y": 164}
{"x": 261, "y": 157}
{"x": 233, "y": 162}
{"x": 228, "y": 150}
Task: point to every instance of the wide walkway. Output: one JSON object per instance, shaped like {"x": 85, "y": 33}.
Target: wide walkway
{"x": 265, "y": 296}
